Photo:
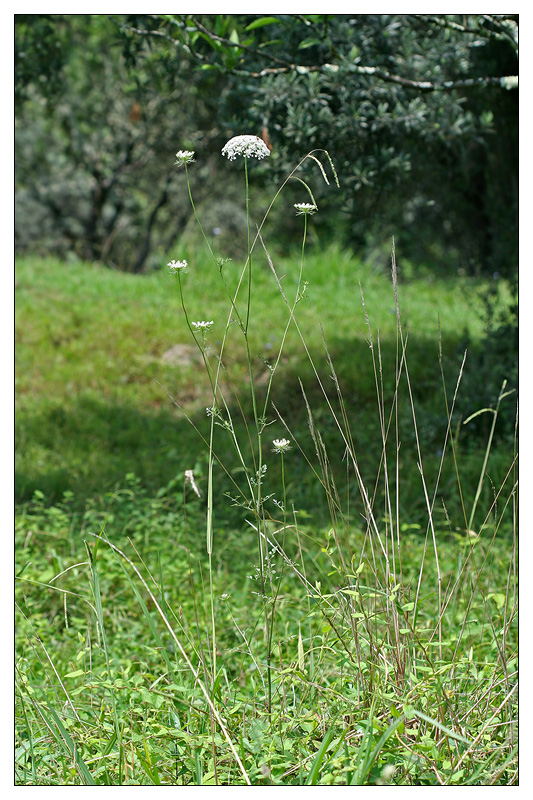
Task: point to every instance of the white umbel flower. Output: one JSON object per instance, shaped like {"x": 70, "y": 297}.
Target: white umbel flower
{"x": 247, "y": 146}
{"x": 184, "y": 157}
{"x": 281, "y": 445}
{"x": 177, "y": 266}
{"x": 202, "y": 326}
{"x": 305, "y": 208}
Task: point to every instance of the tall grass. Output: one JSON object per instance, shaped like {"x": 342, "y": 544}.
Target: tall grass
{"x": 374, "y": 649}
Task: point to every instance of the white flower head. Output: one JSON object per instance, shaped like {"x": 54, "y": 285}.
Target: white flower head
{"x": 305, "y": 208}
{"x": 281, "y": 445}
{"x": 247, "y": 146}
{"x": 177, "y": 266}
{"x": 202, "y": 326}
{"x": 184, "y": 157}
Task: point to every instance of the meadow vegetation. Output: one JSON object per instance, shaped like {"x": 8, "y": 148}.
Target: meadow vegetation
{"x": 315, "y": 582}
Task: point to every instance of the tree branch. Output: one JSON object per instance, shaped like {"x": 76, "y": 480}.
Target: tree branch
{"x": 238, "y": 45}
{"x": 503, "y": 30}
{"x": 421, "y": 86}
{"x": 287, "y": 67}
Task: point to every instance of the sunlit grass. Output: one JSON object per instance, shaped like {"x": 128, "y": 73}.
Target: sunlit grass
{"x": 91, "y": 347}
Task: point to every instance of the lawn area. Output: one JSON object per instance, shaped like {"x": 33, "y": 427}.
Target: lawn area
{"x": 339, "y": 612}
{"x": 95, "y": 361}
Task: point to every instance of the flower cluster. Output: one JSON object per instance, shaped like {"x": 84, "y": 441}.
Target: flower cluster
{"x": 177, "y": 266}
{"x": 281, "y": 445}
{"x": 184, "y": 157}
{"x": 202, "y": 326}
{"x": 305, "y": 208}
{"x": 247, "y": 146}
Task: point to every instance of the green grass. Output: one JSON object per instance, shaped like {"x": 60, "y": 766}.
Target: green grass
{"x": 367, "y": 635}
{"x": 91, "y": 382}
{"x": 104, "y": 695}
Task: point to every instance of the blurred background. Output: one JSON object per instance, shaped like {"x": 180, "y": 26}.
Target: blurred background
{"x": 419, "y": 114}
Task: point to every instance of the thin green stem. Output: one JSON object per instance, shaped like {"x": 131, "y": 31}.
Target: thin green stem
{"x": 297, "y": 298}
{"x": 214, "y": 388}
{"x": 487, "y": 452}
{"x": 275, "y": 595}
{"x": 218, "y": 262}
{"x": 215, "y": 384}
{"x": 263, "y": 552}
{"x": 248, "y": 250}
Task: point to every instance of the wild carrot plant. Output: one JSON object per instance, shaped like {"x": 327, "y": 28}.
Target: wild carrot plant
{"x": 245, "y": 147}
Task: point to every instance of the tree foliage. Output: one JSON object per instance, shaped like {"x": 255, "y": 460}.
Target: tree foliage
{"x": 95, "y": 148}
{"x": 419, "y": 113}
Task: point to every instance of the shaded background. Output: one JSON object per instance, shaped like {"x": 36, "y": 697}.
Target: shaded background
{"x": 419, "y": 114}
